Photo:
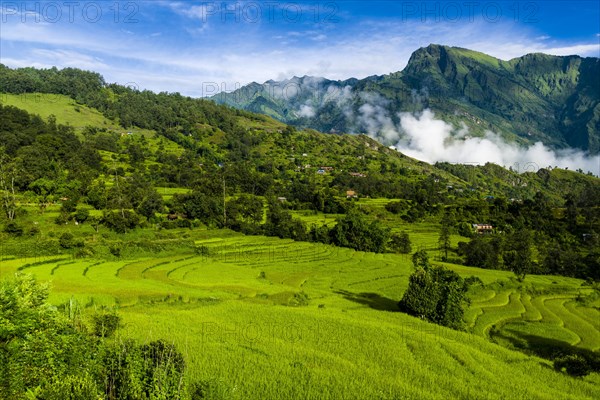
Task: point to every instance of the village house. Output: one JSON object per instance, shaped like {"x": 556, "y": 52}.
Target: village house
{"x": 483, "y": 229}
{"x": 351, "y": 194}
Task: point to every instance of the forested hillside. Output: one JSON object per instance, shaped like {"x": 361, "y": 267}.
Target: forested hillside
{"x": 536, "y": 97}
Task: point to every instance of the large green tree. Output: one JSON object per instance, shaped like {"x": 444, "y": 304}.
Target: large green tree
{"x": 435, "y": 294}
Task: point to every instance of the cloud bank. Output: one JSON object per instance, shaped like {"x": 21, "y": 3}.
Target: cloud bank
{"x": 426, "y": 138}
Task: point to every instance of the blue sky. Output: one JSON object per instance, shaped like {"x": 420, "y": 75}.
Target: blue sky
{"x": 198, "y": 48}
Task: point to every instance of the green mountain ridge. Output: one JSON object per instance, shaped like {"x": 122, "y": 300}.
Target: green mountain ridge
{"x": 536, "y": 97}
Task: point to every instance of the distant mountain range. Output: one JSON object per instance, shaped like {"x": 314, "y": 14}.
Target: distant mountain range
{"x": 537, "y": 97}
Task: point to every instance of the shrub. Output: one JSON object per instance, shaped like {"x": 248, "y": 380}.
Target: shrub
{"x": 400, "y": 243}
{"x": 81, "y": 215}
{"x": 14, "y": 229}
{"x": 105, "y": 324}
{"x": 62, "y": 218}
{"x": 121, "y": 222}
{"x": 70, "y": 387}
{"x": 572, "y": 364}
{"x": 151, "y": 371}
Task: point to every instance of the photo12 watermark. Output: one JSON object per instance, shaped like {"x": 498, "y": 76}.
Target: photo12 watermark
{"x": 261, "y": 12}
{"x": 54, "y": 12}
{"x": 470, "y": 11}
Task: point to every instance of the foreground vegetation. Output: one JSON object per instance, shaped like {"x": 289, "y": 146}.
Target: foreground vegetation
{"x": 276, "y": 261}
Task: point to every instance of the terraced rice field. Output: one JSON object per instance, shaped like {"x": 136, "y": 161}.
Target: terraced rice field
{"x": 274, "y": 319}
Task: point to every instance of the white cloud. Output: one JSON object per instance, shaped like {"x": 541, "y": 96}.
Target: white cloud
{"x": 426, "y": 138}
{"x": 364, "y": 49}
{"x": 68, "y": 58}
{"x": 306, "y": 111}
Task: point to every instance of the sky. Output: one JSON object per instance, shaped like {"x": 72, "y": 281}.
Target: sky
{"x": 200, "y": 48}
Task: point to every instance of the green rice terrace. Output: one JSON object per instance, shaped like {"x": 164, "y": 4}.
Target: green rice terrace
{"x": 270, "y": 318}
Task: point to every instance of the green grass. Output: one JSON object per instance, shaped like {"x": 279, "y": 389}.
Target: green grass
{"x": 235, "y": 316}
{"x": 65, "y": 109}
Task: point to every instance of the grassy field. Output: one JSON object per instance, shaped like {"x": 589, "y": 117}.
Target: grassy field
{"x": 65, "y": 109}
{"x": 267, "y": 318}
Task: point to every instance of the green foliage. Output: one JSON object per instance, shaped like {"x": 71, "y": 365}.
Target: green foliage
{"x": 200, "y": 205}
{"x": 482, "y": 251}
{"x": 281, "y": 224}
{"x": 47, "y": 355}
{"x": 13, "y": 228}
{"x": 573, "y": 364}
{"x": 67, "y": 241}
{"x": 465, "y": 230}
{"x": 37, "y": 343}
{"x": 518, "y": 256}
{"x": 105, "y": 324}
{"x": 154, "y": 370}
{"x": 121, "y": 221}
{"x": 435, "y": 294}
{"x": 355, "y": 232}
{"x": 395, "y": 207}
{"x": 69, "y": 387}
{"x": 81, "y": 215}
{"x": 400, "y": 243}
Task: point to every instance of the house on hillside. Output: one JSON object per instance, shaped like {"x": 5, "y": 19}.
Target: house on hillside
{"x": 483, "y": 229}
{"x": 351, "y": 194}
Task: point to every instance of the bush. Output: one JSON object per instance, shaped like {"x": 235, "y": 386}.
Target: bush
{"x": 465, "y": 230}
{"x": 62, "y": 218}
{"x": 400, "y": 243}
{"x": 395, "y": 207}
{"x": 573, "y": 364}
{"x": 115, "y": 249}
{"x": 14, "y": 229}
{"x": 68, "y": 241}
{"x": 81, "y": 215}
{"x": 151, "y": 371}
{"x": 34, "y": 230}
{"x": 70, "y": 387}
{"x": 355, "y": 232}
{"x": 121, "y": 222}
{"x": 105, "y": 324}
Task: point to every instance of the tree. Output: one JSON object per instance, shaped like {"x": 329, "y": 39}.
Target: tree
{"x": 355, "y": 232}
{"x": 8, "y": 176}
{"x": 446, "y": 225}
{"x": 38, "y": 344}
{"x": 81, "y": 215}
{"x": 400, "y": 243}
{"x": 246, "y": 209}
{"x": 435, "y": 294}
{"x": 46, "y": 352}
{"x": 121, "y": 222}
{"x": 151, "y": 203}
{"x": 281, "y": 224}
{"x": 482, "y": 251}
{"x": 518, "y": 256}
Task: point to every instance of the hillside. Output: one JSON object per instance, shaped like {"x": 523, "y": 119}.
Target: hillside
{"x": 537, "y": 97}
{"x": 274, "y": 258}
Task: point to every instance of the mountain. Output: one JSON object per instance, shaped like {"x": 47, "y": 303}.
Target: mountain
{"x": 537, "y": 97}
